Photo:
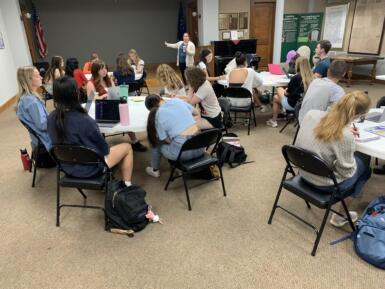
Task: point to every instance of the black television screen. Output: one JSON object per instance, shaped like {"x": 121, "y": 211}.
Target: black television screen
{"x": 229, "y": 47}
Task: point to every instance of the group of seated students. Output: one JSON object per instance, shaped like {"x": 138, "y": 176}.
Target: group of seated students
{"x": 325, "y": 116}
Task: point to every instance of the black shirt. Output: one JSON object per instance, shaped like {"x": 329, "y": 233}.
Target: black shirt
{"x": 80, "y": 130}
{"x": 294, "y": 90}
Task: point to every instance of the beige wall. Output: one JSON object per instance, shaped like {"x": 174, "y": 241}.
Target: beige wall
{"x": 231, "y": 6}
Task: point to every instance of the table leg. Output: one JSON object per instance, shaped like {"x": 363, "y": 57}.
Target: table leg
{"x": 373, "y": 74}
{"x": 350, "y": 73}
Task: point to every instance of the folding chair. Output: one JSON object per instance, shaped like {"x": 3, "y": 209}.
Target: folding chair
{"x": 203, "y": 140}
{"x": 78, "y": 155}
{"x": 312, "y": 163}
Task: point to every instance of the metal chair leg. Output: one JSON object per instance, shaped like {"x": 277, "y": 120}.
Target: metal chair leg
{"x": 170, "y": 178}
{"x": 296, "y": 134}
{"x": 277, "y": 197}
{"x": 348, "y": 215}
{"x": 34, "y": 174}
{"x": 58, "y": 199}
{"x": 308, "y": 205}
{"x": 186, "y": 189}
{"x": 319, "y": 233}
{"x": 286, "y": 124}
{"x": 255, "y": 119}
{"x": 82, "y": 193}
{"x": 222, "y": 180}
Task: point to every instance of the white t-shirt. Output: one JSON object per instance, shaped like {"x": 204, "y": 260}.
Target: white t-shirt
{"x": 209, "y": 100}
{"x": 141, "y": 62}
{"x": 252, "y": 81}
{"x": 202, "y": 65}
{"x": 176, "y": 92}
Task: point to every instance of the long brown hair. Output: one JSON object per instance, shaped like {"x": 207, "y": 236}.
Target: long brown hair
{"x": 56, "y": 63}
{"x": 152, "y": 103}
{"x": 341, "y": 114}
{"x": 122, "y": 64}
{"x": 302, "y": 66}
{"x": 95, "y": 67}
{"x": 168, "y": 78}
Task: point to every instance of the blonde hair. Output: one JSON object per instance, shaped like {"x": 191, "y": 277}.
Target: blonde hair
{"x": 133, "y": 51}
{"x": 341, "y": 114}
{"x": 302, "y": 66}
{"x": 24, "y": 81}
{"x": 168, "y": 78}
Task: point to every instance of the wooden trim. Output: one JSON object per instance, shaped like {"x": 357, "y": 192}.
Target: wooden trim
{"x": 7, "y": 104}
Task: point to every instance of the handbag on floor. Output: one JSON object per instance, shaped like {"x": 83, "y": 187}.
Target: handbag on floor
{"x": 230, "y": 151}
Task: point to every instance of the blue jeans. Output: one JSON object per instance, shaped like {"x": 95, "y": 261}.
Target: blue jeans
{"x": 171, "y": 152}
{"x": 357, "y": 181}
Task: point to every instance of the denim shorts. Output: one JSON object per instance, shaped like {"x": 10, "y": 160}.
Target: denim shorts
{"x": 285, "y": 104}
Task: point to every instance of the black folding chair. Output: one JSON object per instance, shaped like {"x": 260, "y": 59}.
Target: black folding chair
{"x": 292, "y": 116}
{"x": 34, "y": 152}
{"x": 224, "y": 103}
{"x": 78, "y": 155}
{"x": 202, "y": 140}
{"x": 312, "y": 163}
{"x": 236, "y": 91}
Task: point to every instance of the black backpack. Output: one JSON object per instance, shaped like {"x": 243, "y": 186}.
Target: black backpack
{"x": 126, "y": 207}
{"x": 231, "y": 154}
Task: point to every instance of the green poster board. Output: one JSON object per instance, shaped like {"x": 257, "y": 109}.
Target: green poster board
{"x": 300, "y": 29}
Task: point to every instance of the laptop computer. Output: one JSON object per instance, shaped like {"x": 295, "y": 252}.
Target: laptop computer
{"x": 107, "y": 111}
{"x": 275, "y": 69}
{"x": 90, "y": 99}
{"x": 113, "y": 93}
{"x": 376, "y": 116}
{"x": 287, "y": 73}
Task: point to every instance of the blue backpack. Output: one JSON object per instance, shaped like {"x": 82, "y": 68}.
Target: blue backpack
{"x": 369, "y": 238}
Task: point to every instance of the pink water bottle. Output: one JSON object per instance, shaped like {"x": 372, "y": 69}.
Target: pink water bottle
{"x": 123, "y": 113}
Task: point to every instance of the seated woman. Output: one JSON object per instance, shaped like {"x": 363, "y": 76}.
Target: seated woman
{"x": 170, "y": 81}
{"x": 166, "y": 135}
{"x": 329, "y": 135}
{"x": 69, "y": 123}
{"x": 246, "y": 78}
{"x": 205, "y": 57}
{"x": 55, "y": 70}
{"x": 288, "y": 98}
{"x": 73, "y": 70}
{"x": 124, "y": 73}
{"x": 100, "y": 81}
{"x": 135, "y": 61}
{"x": 88, "y": 64}
{"x": 201, "y": 92}
{"x": 30, "y": 109}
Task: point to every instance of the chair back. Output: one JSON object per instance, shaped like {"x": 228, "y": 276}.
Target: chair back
{"x": 237, "y": 92}
{"x": 380, "y": 102}
{"x": 202, "y": 140}
{"x": 225, "y": 105}
{"x": 307, "y": 161}
{"x": 297, "y": 107}
{"x": 75, "y": 154}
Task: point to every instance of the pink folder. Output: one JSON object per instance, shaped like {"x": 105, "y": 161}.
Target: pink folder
{"x": 275, "y": 69}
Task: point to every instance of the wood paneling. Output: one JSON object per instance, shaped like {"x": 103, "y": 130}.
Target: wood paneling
{"x": 262, "y": 16}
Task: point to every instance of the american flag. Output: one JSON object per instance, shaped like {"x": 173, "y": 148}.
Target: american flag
{"x": 43, "y": 51}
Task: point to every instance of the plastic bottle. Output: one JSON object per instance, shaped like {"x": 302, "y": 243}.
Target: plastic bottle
{"x": 25, "y": 159}
{"x": 123, "y": 112}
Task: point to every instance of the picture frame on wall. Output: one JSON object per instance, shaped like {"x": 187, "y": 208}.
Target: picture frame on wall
{"x": 226, "y": 35}
{"x": 241, "y": 35}
{"x": 233, "y": 21}
{"x": 223, "y": 21}
{"x": 243, "y": 20}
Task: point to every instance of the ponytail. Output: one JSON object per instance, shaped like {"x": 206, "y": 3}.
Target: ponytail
{"x": 342, "y": 114}
{"x": 151, "y": 127}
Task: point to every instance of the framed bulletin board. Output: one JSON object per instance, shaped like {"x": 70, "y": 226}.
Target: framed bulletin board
{"x": 334, "y": 26}
{"x": 368, "y": 27}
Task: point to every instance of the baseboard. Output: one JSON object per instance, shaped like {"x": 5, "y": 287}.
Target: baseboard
{"x": 7, "y": 104}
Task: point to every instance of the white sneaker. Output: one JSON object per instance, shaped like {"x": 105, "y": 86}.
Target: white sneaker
{"x": 264, "y": 108}
{"x": 338, "y": 221}
{"x": 272, "y": 123}
{"x": 150, "y": 171}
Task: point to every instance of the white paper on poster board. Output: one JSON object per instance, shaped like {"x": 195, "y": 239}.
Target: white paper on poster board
{"x": 1, "y": 41}
{"x": 335, "y": 20}
{"x": 234, "y": 35}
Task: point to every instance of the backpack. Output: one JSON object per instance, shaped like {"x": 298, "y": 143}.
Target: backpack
{"x": 231, "y": 154}
{"x": 369, "y": 238}
{"x": 125, "y": 207}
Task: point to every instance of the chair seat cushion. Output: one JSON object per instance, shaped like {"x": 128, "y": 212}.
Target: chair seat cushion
{"x": 197, "y": 163}
{"x": 94, "y": 183}
{"x": 307, "y": 192}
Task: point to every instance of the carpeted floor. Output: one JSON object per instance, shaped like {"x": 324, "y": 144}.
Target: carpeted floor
{"x": 221, "y": 243}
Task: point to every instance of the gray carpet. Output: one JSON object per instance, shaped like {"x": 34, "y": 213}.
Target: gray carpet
{"x": 221, "y": 243}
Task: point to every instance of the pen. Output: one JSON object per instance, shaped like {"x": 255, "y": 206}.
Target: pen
{"x": 355, "y": 128}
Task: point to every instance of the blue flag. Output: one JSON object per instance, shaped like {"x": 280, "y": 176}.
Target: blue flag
{"x": 181, "y": 22}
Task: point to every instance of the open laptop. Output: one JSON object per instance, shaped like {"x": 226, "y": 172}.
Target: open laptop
{"x": 376, "y": 116}
{"x": 275, "y": 69}
{"x": 113, "y": 93}
{"x": 287, "y": 73}
{"x": 107, "y": 112}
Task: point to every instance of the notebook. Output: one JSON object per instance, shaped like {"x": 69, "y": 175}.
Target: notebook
{"x": 366, "y": 136}
{"x": 378, "y": 130}
{"x": 107, "y": 111}
{"x": 275, "y": 69}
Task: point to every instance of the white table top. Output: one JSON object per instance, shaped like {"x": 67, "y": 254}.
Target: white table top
{"x": 374, "y": 148}
{"x": 268, "y": 79}
{"x": 110, "y": 73}
{"x": 137, "y": 112}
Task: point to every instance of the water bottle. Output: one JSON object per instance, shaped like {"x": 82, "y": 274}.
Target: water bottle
{"x": 123, "y": 113}
{"x": 25, "y": 159}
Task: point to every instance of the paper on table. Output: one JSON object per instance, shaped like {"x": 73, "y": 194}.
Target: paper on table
{"x": 378, "y": 130}
{"x": 366, "y": 136}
